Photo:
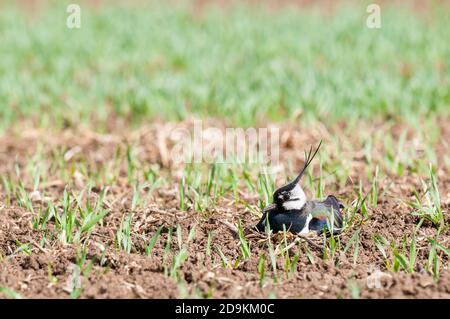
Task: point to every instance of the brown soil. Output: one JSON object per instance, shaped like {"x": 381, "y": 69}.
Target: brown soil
{"x": 46, "y": 272}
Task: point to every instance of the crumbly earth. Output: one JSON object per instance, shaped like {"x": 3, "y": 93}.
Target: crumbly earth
{"x": 47, "y": 268}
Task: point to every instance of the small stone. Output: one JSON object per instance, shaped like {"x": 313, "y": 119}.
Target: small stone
{"x": 35, "y": 196}
{"x": 408, "y": 290}
{"x": 209, "y": 276}
{"x": 426, "y": 281}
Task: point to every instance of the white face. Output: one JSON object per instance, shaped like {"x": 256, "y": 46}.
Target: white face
{"x": 297, "y": 199}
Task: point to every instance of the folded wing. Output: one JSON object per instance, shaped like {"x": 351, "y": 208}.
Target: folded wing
{"x": 323, "y": 212}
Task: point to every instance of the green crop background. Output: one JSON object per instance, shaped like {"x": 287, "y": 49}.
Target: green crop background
{"x": 241, "y": 63}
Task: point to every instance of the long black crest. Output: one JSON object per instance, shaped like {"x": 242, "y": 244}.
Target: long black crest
{"x": 308, "y": 159}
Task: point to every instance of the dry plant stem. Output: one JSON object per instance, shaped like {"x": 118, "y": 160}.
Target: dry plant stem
{"x": 230, "y": 226}
{"x": 36, "y": 245}
{"x": 298, "y": 239}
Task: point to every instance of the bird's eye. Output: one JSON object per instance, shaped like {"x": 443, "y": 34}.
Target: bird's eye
{"x": 285, "y": 196}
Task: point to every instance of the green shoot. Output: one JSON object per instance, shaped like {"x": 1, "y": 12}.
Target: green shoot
{"x": 152, "y": 242}
{"x": 9, "y": 293}
{"x": 224, "y": 259}
{"x": 430, "y": 209}
{"x": 244, "y": 245}
{"x": 123, "y": 235}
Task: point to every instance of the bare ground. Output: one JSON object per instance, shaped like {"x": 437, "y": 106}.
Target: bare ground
{"x": 46, "y": 272}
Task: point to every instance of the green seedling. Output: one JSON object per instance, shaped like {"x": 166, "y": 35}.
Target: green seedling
{"x": 9, "y": 293}
{"x": 152, "y": 242}
{"x": 224, "y": 259}
{"x": 244, "y": 245}
{"x": 123, "y": 235}
{"x": 429, "y": 208}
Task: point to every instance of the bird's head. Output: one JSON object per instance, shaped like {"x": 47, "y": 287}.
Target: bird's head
{"x": 292, "y": 196}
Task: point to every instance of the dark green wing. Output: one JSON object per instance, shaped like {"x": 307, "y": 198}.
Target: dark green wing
{"x": 323, "y": 210}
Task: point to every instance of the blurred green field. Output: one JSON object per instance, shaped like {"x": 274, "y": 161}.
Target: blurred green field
{"x": 243, "y": 63}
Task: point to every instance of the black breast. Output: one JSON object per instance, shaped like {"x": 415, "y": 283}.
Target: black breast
{"x": 293, "y": 220}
